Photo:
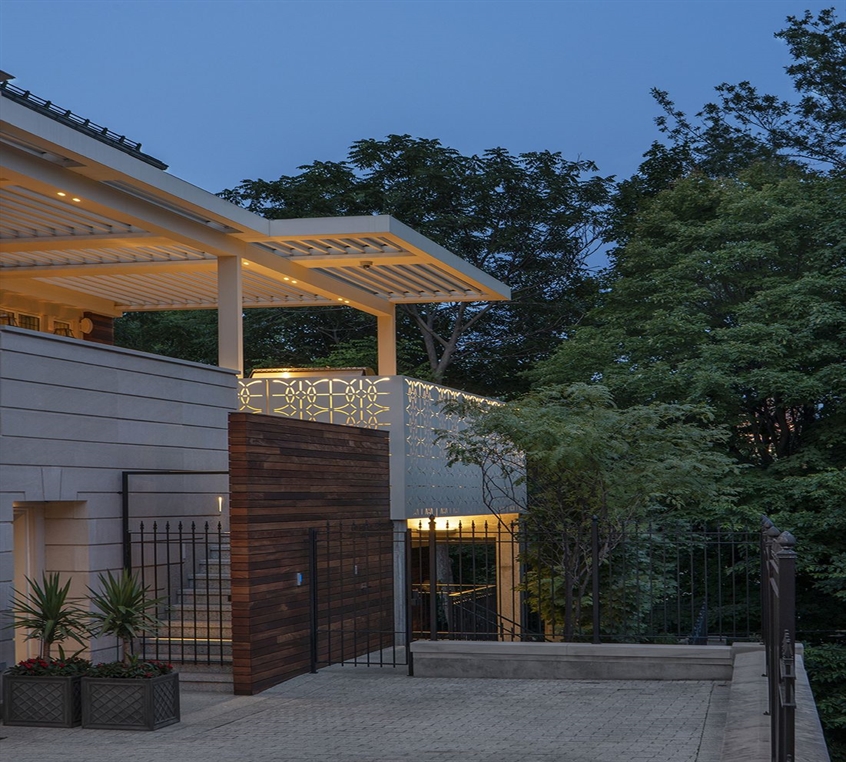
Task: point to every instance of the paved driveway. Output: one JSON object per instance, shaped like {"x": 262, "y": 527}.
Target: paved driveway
{"x": 355, "y": 714}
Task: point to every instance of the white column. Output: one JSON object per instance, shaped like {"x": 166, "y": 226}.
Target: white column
{"x": 386, "y": 332}
{"x": 230, "y": 336}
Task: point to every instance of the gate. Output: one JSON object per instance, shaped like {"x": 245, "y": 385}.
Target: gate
{"x": 357, "y": 617}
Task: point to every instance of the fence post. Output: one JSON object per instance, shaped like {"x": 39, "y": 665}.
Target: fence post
{"x": 433, "y": 581}
{"x": 786, "y": 561}
{"x": 594, "y": 544}
{"x": 312, "y": 594}
{"x": 409, "y": 658}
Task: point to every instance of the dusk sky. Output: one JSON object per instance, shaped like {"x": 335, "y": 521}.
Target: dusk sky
{"x": 223, "y": 90}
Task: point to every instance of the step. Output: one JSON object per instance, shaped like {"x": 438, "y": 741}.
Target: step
{"x": 174, "y": 650}
{"x": 206, "y": 677}
{"x": 199, "y": 630}
{"x": 215, "y": 599}
{"x": 199, "y": 613}
{"x": 204, "y": 582}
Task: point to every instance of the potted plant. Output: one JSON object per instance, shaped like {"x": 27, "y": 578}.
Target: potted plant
{"x": 45, "y": 691}
{"x": 129, "y": 694}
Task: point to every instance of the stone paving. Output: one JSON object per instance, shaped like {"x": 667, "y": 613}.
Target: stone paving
{"x": 354, "y": 714}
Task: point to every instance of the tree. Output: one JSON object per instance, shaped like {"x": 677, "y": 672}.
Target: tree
{"x": 744, "y": 127}
{"x": 729, "y": 292}
{"x": 578, "y": 456}
{"x": 530, "y": 220}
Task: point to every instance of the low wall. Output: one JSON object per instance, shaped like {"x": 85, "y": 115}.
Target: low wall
{"x": 571, "y": 661}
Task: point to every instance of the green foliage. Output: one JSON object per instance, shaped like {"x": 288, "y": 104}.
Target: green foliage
{"x": 124, "y": 609}
{"x": 38, "y": 667}
{"x": 745, "y": 126}
{"x": 587, "y": 457}
{"x": 49, "y": 615}
{"x": 529, "y": 220}
{"x": 826, "y": 666}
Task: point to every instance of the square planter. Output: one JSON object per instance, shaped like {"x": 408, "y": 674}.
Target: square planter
{"x": 130, "y": 703}
{"x": 44, "y": 702}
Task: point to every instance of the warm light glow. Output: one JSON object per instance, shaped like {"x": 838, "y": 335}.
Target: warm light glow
{"x": 293, "y": 281}
{"x": 61, "y": 194}
{"x": 468, "y": 523}
{"x": 247, "y": 263}
{"x": 340, "y": 299}
{"x": 220, "y": 504}
{"x": 76, "y": 199}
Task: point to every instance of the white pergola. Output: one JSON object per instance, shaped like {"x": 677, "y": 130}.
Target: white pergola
{"x": 88, "y": 224}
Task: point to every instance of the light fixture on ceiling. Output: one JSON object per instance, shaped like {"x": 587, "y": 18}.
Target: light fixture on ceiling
{"x": 77, "y": 200}
{"x": 62, "y": 194}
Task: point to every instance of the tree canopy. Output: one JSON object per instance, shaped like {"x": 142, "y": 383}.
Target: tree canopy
{"x": 529, "y": 220}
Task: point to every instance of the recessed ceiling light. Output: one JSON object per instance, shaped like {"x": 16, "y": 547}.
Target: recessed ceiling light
{"x": 76, "y": 199}
{"x": 61, "y": 194}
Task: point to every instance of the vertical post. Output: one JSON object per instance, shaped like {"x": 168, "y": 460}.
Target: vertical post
{"x": 408, "y": 625}
{"x": 312, "y": 595}
{"x": 386, "y": 338}
{"x": 786, "y": 560}
{"x": 127, "y": 539}
{"x": 230, "y": 335}
{"x": 433, "y": 580}
{"x": 594, "y": 543}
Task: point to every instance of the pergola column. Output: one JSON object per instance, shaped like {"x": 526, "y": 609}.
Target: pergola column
{"x": 386, "y": 332}
{"x": 230, "y": 334}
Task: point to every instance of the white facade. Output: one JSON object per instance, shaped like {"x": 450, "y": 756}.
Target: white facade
{"x": 75, "y": 415}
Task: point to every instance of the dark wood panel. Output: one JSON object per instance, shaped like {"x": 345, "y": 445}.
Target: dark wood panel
{"x": 285, "y": 477}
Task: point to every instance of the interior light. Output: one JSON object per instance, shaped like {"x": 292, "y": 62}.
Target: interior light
{"x": 293, "y": 281}
{"x": 340, "y": 299}
{"x": 61, "y": 194}
{"x": 76, "y": 199}
{"x": 246, "y": 263}
{"x": 346, "y": 301}
{"x": 286, "y": 278}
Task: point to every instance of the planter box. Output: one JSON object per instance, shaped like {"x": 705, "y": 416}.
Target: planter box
{"x": 44, "y": 702}
{"x": 130, "y": 703}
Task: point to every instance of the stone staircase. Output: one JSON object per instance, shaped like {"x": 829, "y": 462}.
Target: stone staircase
{"x": 197, "y": 632}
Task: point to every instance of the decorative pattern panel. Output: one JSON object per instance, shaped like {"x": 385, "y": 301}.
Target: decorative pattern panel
{"x": 363, "y": 402}
{"x": 432, "y": 486}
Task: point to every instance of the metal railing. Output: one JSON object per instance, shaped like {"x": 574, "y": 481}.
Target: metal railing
{"x": 594, "y": 582}
{"x": 186, "y": 567}
{"x": 778, "y": 582}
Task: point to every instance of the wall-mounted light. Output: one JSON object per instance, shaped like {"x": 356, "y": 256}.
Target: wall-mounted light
{"x": 220, "y": 503}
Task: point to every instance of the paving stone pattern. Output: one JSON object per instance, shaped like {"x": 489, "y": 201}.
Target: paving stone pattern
{"x": 355, "y": 714}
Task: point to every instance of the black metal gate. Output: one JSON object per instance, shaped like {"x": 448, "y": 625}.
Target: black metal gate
{"x": 357, "y": 610}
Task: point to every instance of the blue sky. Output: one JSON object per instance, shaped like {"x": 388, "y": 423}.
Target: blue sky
{"x": 223, "y": 90}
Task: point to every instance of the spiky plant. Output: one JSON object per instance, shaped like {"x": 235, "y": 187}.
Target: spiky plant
{"x": 124, "y": 610}
{"x": 49, "y": 615}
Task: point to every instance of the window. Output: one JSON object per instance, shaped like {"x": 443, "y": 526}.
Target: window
{"x": 32, "y": 322}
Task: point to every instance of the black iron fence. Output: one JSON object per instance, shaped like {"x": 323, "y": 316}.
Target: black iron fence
{"x": 187, "y": 569}
{"x": 626, "y": 582}
{"x": 356, "y": 604}
{"x": 778, "y": 576}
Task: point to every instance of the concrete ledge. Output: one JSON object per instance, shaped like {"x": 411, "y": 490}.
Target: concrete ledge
{"x": 573, "y": 661}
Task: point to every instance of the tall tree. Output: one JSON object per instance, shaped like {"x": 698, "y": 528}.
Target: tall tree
{"x": 744, "y": 126}
{"x": 530, "y": 220}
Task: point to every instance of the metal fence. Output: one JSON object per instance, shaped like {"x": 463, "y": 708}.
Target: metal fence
{"x": 778, "y": 575}
{"x": 187, "y": 569}
{"x": 355, "y": 604}
{"x": 595, "y": 582}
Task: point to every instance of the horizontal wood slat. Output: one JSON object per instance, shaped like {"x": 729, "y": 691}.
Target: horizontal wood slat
{"x": 285, "y": 477}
